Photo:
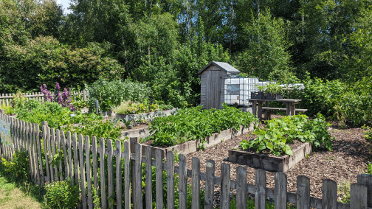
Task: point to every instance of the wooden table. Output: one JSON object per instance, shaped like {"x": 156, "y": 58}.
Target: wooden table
{"x": 289, "y": 103}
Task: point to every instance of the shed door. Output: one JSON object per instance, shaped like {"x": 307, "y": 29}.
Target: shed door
{"x": 214, "y": 84}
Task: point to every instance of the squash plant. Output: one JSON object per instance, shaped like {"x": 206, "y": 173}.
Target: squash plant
{"x": 278, "y": 133}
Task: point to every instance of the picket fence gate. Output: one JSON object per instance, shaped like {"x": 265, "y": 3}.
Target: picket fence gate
{"x": 5, "y": 99}
{"x": 82, "y": 163}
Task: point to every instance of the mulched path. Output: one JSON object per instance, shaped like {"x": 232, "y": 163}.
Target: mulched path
{"x": 350, "y": 155}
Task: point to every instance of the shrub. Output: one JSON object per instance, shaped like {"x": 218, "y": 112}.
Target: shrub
{"x": 113, "y": 93}
{"x": 62, "y": 194}
{"x": 18, "y": 166}
{"x": 18, "y": 99}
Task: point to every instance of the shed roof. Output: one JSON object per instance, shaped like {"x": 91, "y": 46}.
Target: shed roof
{"x": 223, "y": 66}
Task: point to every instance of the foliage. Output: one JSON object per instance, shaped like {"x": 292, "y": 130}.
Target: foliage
{"x": 18, "y": 99}
{"x": 344, "y": 189}
{"x": 278, "y": 133}
{"x": 62, "y": 194}
{"x": 113, "y": 93}
{"x": 61, "y": 98}
{"x": 18, "y": 166}
{"x": 367, "y": 132}
{"x": 9, "y": 110}
{"x": 369, "y": 168}
{"x": 196, "y": 123}
{"x": 130, "y": 107}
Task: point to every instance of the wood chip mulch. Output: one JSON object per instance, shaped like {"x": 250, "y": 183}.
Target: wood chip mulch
{"x": 350, "y": 155}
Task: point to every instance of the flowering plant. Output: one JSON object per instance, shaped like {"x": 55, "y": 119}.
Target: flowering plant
{"x": 63, "y": 98}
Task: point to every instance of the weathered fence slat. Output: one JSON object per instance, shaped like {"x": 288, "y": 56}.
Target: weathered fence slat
{"x": 50, "y": 141}
{"x": 366, "y": 180}
{"x": 39, "y": 162}
{"x": 110, "y": 173}
{"x": 70, "y": 154}
{"x": 89, "y": 173}
{"x": 280, "y": 190}
{"x": 127, "y": 203}
{"x": 82, "y": 172}
{"x": 28, "y": 136}
{"x": 303, "y": 192}
{"x": 260, "y": 185}
{"x": 182, "y": 181}
{"x": 148, "y": 188}
{"x": 170, "y": 180}
{"x": 195, "y": 183}
{"x": 76, "y": 159}
{"x": 53, "y": 140}
{"x": 137, "y": 198}
{"x": 225, "y": 186}
{"x": 58, "y": 151}
{"x": 65, "y": 155}
{"x": 209, "y": 184}
{"x": 45, "y": 138}
{"x": 102, "y": 169}
{"x": 329, "y": 194}
{"x": 95, "y": 164}
{"x": 159, "y": 179}
{"x": 241, "y": 190}
{"x": 358, "y": 196}
{"x": 118, "y": 175}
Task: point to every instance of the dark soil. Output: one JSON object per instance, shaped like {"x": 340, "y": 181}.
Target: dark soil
{"x": 350, "y": 155}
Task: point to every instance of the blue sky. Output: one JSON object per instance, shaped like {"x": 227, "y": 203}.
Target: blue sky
{"x": 65, "y": 4}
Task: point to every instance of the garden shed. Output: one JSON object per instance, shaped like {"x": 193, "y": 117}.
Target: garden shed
{"x": 213, "y": 78}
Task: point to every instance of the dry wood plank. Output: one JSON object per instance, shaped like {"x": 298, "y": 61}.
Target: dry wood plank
{"x": 88, "y": 172}
{"x": 209, "y": 184}
{"x": 137, "y": 198}
{"x": 241, "y": 187}
{"x": 280, "y": 191}
{"x": 358, "y": 196}
{"x": 50, "y": 141}
{"x": 329, "y": 194}
{"x": 225, "y": 186}
{"x": 35, "y": 154}
{"x": 118, "y": 175}
{"x": 110, "y": 173}
{"x": 45, "y": 138}
{"x": 82, "y": 172}
{"x": 28, "y": 137}
{"x": 170, "y": 180}
{"x": 39, "y": 159}
{"x": 102, "y": 169}
{"x": 95, "y": 165}
{"x": 127, "y": 152}
{"x": 159, "y": 179}
{"x": 182, "y": 181}
{"x": 70, "y": 154}
{"x": 76, "y": 159}
{"x": 148, "y": 188}
{"x": 58, "y": 151}
{"x": 366, "y": 180}
{"x": 65, "y": 155}
{"x": 53, "y": 140}
{"x": 260, "y": 193}
{"x": 195, "y": 183}
{"x": 303, "y": 192}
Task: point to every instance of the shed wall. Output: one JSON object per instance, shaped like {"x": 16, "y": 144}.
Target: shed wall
{"x": 212, "y": 83}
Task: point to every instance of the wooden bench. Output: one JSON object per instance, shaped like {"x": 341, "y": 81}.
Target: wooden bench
{"x": 269, "y": 109}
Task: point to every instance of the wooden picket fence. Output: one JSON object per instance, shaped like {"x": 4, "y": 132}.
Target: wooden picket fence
{"x": 5, "y": 99}
{"x": 90, "y": 163}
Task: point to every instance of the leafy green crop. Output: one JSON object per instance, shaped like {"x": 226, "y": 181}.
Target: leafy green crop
{"x": 278, "y": 133}
{"x": 196, "y": 123}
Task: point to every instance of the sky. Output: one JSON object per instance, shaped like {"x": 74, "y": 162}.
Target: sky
{"x": 65, "y": 4}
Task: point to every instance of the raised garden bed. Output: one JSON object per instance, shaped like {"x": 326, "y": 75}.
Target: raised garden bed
{"x": 145, "y": 115}
{"x": 270, "y": 162}
{"x": 192, "y": 146}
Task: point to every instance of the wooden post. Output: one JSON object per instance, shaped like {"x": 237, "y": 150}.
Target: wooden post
{"x": 182, "y": 182}
{"x": 170, "y": 180}
{"x": 241, "y": 190}
{"x": 280, "y": 191}
{"x": 76, "y": 161}
{"x": 102, "y": 169}
{"x": 89, "y": 173}
{"x": 95, "y": 164}
{"x": 58, "y": 149}
{"x": 138, "y": 177}
{"x": 126, "y": 175}
{"x": 118, "y": 174}
{"x": 159, "y": 179}
{"x": 70, "y": 163}
{"x": 260, "y": 193}
{"x": 358, "y": 196}
{"x": 225, "y": 186}
{"x": 195, "y": 183}
{"x": 366, "y": 180}
{"x": 209, "y": 184}
{"x": 148, "y": 189}
{"x": 82, "y": 171}
{"x": 45, "y": 138}
{"x": 303, "y": 192}
{"x": 54, "y": 153}
{"x": 329, "y": 194}
{"x": 110, "y": 172}
{"x": 65, "y": 154}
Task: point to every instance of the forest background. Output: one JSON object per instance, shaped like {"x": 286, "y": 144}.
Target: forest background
{"x": 164, "y": 43}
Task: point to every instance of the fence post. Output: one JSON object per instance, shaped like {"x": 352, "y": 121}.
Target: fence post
{"x": 195, "y": 183}
{"x": 182, "y": 181}
{"x": 110, "y": 173}
{"x": 358, "y": 196}
{"x": 170, "y": 180}
{"x": 366, "y": 180}
{"x": 127, "y": 152}
{"x": 45, "y": 137}
{"x": 329, "y": 194}
{"x": 280, "y": 191}
{"x": 82, "y": 171}
{"x": 118, "y": 174}
{"x": 260, "y": 184}
{"x": 88, "y": 171}
{"x": 102, "y": 169}
{"x": 209, "y": 184}
{"x": 138, "y": 177}
{"x": 303, "y": 192}
{"x": 148, "y": 189}
{"x": 225, "y": 186}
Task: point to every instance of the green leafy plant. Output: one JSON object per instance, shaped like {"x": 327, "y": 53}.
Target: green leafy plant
{"x": 344, "y": 189}
{"x": 196, "y": 123}
{"x": 129, "y": 107}
{"x": 18, "y": 166}
{"x": 18, "y": 100}
{"x": 367, "y": 132}
{"x": 369, "y": 168}
{"x": 62, "y": 194}
{"x": 278, "y": 133}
